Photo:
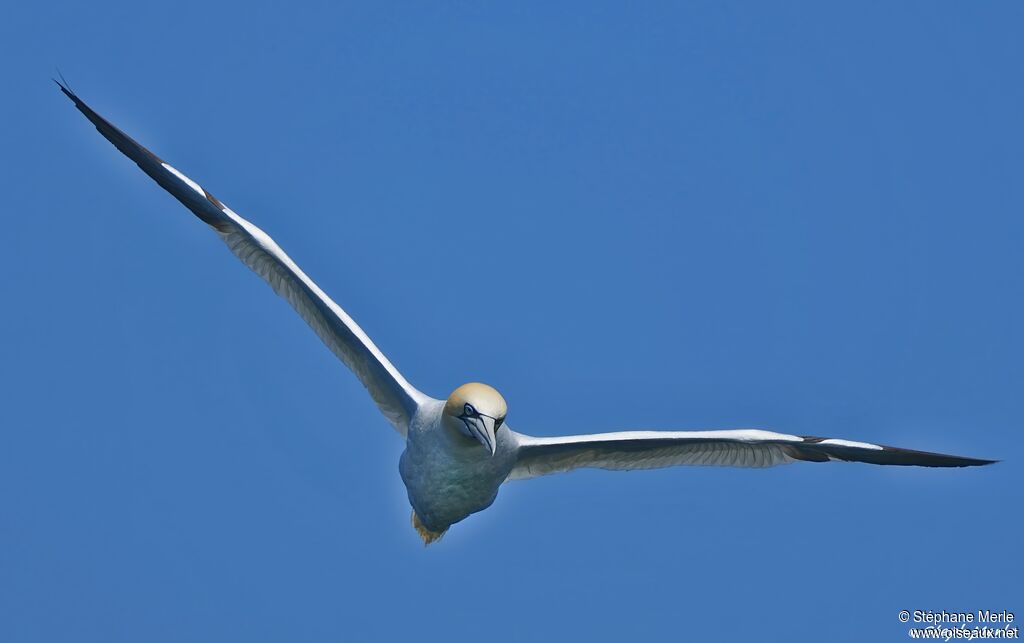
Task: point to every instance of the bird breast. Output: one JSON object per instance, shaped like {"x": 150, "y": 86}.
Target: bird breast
{"x": 449, "y": 477}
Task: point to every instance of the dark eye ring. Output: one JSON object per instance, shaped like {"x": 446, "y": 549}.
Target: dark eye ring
{"x": 469, "y": 410}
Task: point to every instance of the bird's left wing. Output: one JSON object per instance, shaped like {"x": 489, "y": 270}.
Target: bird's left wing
{"x": 396, "y": 398}
{"x": 736, "y": 448}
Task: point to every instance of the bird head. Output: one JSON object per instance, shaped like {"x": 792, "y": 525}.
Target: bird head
{"x": 476, "y": 411}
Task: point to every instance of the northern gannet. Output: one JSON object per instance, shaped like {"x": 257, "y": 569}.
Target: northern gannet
{"x": 459, "y": 451}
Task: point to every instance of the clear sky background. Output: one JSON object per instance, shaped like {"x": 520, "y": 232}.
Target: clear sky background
{"x": 622, "y": 215}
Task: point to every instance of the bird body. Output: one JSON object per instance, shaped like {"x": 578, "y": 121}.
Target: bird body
{"x": 459, "y": 451}
{"x": 447, "y": 475}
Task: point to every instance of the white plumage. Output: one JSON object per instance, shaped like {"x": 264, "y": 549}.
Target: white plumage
{"x": 446, "y": 472}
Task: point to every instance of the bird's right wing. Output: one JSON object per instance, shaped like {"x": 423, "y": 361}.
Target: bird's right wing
{"x": 736, "y": 448}
{"x": 396, "y": 398}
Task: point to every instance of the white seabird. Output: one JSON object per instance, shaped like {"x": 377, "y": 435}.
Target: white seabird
{"x": 459, "y": 451}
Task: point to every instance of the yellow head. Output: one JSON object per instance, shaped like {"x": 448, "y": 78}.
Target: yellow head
{"x": 477, "y": 411}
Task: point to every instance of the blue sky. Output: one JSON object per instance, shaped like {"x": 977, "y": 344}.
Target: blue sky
{"x": 802, "y": 217}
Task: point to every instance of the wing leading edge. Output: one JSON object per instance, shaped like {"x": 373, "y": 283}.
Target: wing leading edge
{"x": 738, "y": 448}
{"x": 396, "y": 398}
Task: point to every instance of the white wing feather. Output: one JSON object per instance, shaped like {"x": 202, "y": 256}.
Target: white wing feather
{"x": 396, "y": 398}
{"x": 732, "y": 448}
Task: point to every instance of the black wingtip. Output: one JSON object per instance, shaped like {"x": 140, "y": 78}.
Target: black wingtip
{"x": 64, "y": 87}
{"x": 967, "y": 462}
{"x": 963, "y": 461}
{"x": 63, "y": 82}
{"x": 817, "y": 449}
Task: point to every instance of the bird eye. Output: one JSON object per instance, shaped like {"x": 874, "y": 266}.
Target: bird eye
{"x": 469, "y": 410}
